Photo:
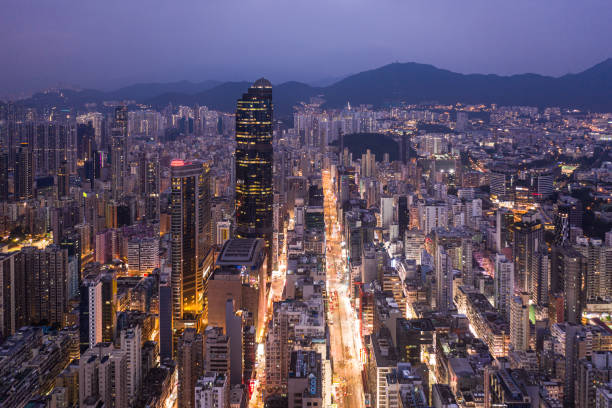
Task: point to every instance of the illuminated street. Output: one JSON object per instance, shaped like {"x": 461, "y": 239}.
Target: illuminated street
{"x": 276, "y": 291}
{"x": 344, "y": 332}
{"x": 40, "y": 243}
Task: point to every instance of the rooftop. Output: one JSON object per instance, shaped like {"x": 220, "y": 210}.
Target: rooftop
{"x": 239, "y": 251}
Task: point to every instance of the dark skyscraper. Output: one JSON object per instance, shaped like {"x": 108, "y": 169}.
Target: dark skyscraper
{"x": 148, "y": 169}
{"x": 63, "y": 180}
{"x": 254, "y": 152}
{"x": 24, "y": 173}
{"x": 403, "y": 214}
{"x": 569, "y": 267}
{"x": 119, "y": 151}
{"x": 190, "y": 223}
{"x": 527, "y": 239}
{"x": 4, "y": 175}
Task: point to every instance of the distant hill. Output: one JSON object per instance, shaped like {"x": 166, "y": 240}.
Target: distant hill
{"x": 391, "y": 84}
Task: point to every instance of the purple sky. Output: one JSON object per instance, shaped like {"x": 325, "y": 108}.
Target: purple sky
{"x": 110, "y": 43}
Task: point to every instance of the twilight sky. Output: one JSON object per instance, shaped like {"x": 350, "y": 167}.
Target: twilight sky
{"x": 110, "y": 43}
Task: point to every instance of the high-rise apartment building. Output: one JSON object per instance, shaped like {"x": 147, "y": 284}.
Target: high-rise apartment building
{"x": 149, "y": 184}
{"x": 592, "y": 372}
{"x": 119, "y": 152}
{"x": 91, "y": 312}
{"x": 24, "y": 173}
{"x": 570, "y": 266}
{"x": 212, "y": 391}
{"x": 131, "y": 346}
{"x": 403, "y": 214}
{"x": 504, "y": 284}
{"x": 598, "y": 277}
{"x": 387, "y": 211}
{"x": 368, "y": 164}
{"x": 4, "y": 175}
{"x": 254, "y": 156}
{"x": 103, "y": 377}
{"x": 218, "y": 351}
{"x": 143, "y": 255}
{"x": 63, "y": 180}
{"x": 166, "y": 341}
{"x": 109, "y": 305}
{"x": 433, "y": 215}
{"x": 413, "y": 245}
{"x": 46, "y": 278}
{"x": 12, "y": 294}
{"x": 519, "y": 322}
{"x": 540, "y": 277}
{"x": 444, "y": 280}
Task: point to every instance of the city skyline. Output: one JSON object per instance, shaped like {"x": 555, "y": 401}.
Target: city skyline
{"x": 407, "y": 237}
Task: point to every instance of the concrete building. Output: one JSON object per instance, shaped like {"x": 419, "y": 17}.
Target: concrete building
{"x": 304, "y": 386}
{"x": 131, "y": 346}
{"x": 504, "y": 284}
{"x": 103, "y": 377}
{"x": 90, "y": 312}
{"x": 240, "y": 275}
{"x": 190, "y": 361}
{"x": 212, "y": 391}
{"x": 519, "y": 322}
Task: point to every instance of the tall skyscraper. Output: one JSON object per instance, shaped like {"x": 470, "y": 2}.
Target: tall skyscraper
{"x": 119, "y": 151}
{"x": 368, "y": 164}
{"x": 12, "y": 294}
{"x": 46, "y": 274}
{"x": 528, "y": 236}
{"x": 166, "y": 344}
{"x": 503, "y": 220}
{"x": 148, "y": 168}
{"x": 190, "y": 226}
{"x": 24, "y": 173}
{"x": 540, "y": 277}
{"x": 4, "y": 175}
{"x": 403, "y": 214}
{"x": 109, "y": 305}
{"x": 598, "y": 278}
{"x": 504, "y": 284}
{"x": 63, "y": 180}
{"x": 131, "y": 345}
{"x": 90, "y": 312}
{"x": 444, "y": 280}
{"x": 570, "y": 266}
{"x": 254, "y": 155}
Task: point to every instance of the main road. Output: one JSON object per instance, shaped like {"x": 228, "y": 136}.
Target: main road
{"x": 277, "y": 286}
{"x": 344, "y": 329}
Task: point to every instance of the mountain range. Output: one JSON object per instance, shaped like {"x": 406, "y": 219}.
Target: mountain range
{"x": 410, "y": 83}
